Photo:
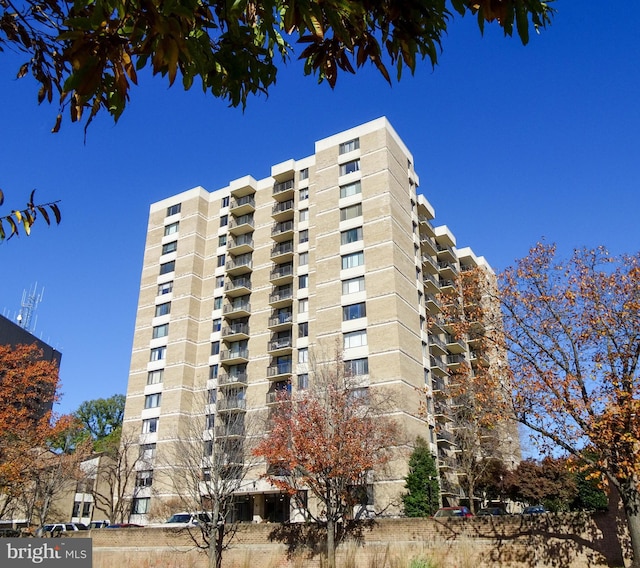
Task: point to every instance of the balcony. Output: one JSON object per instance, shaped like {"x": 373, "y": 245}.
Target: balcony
{"x": 282, "y": 274}
{"x": 283, "y": 210}
{"x": 438, "y": 387}
{"x": 445, "y": 252}
{"x": 241, "y": 225}
{"x": 233, "y": 404}
{"x": 282, "y": 231}
{"x": 438, "y": 346}
{"x": 279, "y": 371}
{"x": 425, "y": 223}
{"x": 237, "y": 310}
{"x": 234, "y": 356}
{"x": 455, "y": 345}
{"x": 282, "y": 252}
{"x": 447, "y": 269}
{"x": 242, "y": 244}
{"x": 230, "y": 431}
{"x": 445, "y": 437}
{"x": 242, "y": 205}
{"x": 235, "y": 332}
{"x": 277, "y": 396}
{"x": 432, "y": 304}
{"x": 239, "y": 265}
{"x": 281, "y": 297}
{"x": 281, "y": 321}
{"x": 430, "y": 282}
{"x": 280, "y": 345}
{"x": 283, "y": 190}
{"x": 454, "y": 361}
{"x": 429, "y": 264}
{"x": 438, "y": 367}
{"x": 232, "y": 379}
{"x": 441, "y": 411}
{"x": 447, "y": 285}
{"x": 238, "y": 287}
{"x": 478, "y": 358}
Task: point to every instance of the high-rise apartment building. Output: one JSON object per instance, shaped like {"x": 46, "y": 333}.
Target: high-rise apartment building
{"x": 242, "y": 285}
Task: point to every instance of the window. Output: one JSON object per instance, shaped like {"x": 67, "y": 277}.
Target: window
{"x": 221, "y": 258}
{"x": 351, "y": 212}
{"x": 163, "y": 309}
{"x": 213, "y": 372}
{"x": 303, "y": 306}
{"x": 304, "y": 174}
{"x": 349, "y": 146}
{"x": 217, "y": 303}
{"x": 304, "y": 193}
{"x": 167, "y": 267}
{"x": 219, "y": 281}
{"x": 140, "y": 505}
{"x": 210, "y": 421}
{"x": 75, "y": 512}
{"x": 304, "y": 215}
{"x": 169, "y": 247}
{"x": 161, "y": 330}
{"x": 225, "y": 201}
{"x": 165, "y": 288}
{"x": 355, "y": 339}
{"x": 353, "y": 285}
{"x": 352, "y": 260}
{"x": 303, "y": 329}
{"x": 213, "y": 396}
{"x": 303, "y": 259}
{"x": 350, "y": 189}
{"x": 215, "y": 348}
{"x": 159, "y": 353}
{"x": 303, "y": 381}
{"x": 354, "y": 311}
{"x": 217, "y": 324}
{"x": 174, "y": 209}
{"x": 357, "y": 367}
{"x": 351, "y": 236}
{"x": 224, "y": 220}
{"x": 147, "y": 452}
{"x": 208, "y": 448}
{"x": 349, "y": 167}
{"x": 304, "y": 236}
{"x": 144, "y": 478}
{"x": 222, "y": 240}
{"x": 150, "y": 426}
{"x": 303, "y": 281}
{"x": 171, "y": 229}
{"x": 152, "y": 400}
{"x": 155, "y": 377}
{"x": 303, "y": 355}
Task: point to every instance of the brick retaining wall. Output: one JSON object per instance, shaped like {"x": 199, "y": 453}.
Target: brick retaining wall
{"x": 562, "y": 541}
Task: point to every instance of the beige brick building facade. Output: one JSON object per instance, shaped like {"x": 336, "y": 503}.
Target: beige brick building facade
{"x": 240, "y": 288}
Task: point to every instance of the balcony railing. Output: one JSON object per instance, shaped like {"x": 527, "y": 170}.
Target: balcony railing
{"x": 279, "y": 369}
{"x": 435, "y": 362}
{"x": 282, "y": 186}
{"x": 281, "y": 319}
{"x": 233, "y": 430}
{"x": 231, "y": 404}
{"x": 235, "y": 329}
{"x": 282, "y": 207}
{"x": 238, "y": 283}
{"x": 282, "y": 271}
{"x": 242, "y": 201}
{"x": 232, "y": 379}
{"x": 239, "y": 221}
{"x": 281, "y": 295}
{"x": 239, "y": 262}
{"x": 227, "y": 354}
{"x": 280, "y": 343}
{"x": 280, "y": 228}
{"x": 236, "y": 307}
{"x": 282, "y": 248}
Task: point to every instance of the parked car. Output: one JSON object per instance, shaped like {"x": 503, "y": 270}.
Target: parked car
{"x": 534, "y": 510}
{"x": 124, "y": 526}
{"x": 98, "y": 524}
{"x": 186, "y": 519}
{"x": 491, "y": 512}
{"x": 449, "y": 512}
{"x": 56, "y": 529}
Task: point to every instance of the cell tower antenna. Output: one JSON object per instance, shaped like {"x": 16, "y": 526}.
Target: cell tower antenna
{"x": 28, "y": 307}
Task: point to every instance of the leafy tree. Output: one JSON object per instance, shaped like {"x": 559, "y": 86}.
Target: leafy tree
{"x": 548, "y": 482}
{"x": 423, "y": 496}
{"x": 591, "y": 496}
{"x": 33, "y": 469}
{"x": 101, "y": 417}
{"x": 573, "y": 330}
{"x": 88, "y": 54}
{"x": 26, "y": 217}
{"x": 327, "y": 440}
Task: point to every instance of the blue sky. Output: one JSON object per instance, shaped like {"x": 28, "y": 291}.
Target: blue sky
{"x": 512, "y": 144}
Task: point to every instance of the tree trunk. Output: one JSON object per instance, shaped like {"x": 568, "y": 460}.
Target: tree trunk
{"x": 630, "y": 495}
{"x": 331, "y": 542}
{"x": 216, "y": 539}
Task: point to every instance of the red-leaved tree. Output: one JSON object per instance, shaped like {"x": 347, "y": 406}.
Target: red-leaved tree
{"x": 328, "y": 440}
